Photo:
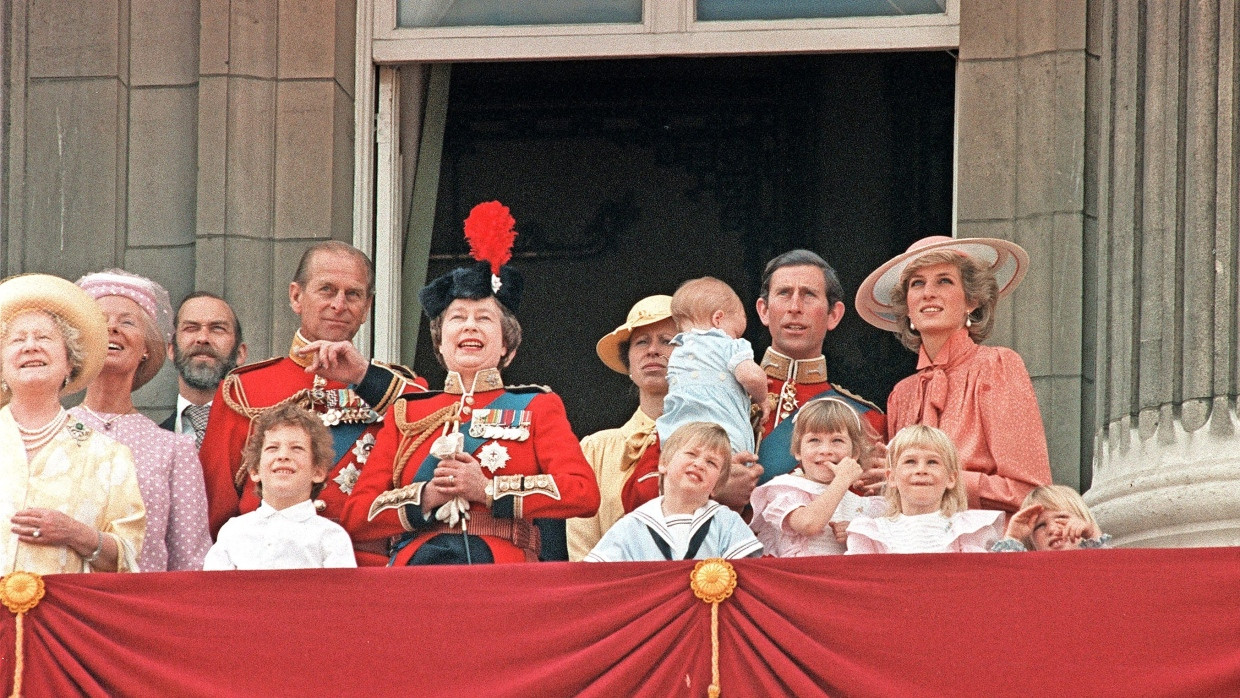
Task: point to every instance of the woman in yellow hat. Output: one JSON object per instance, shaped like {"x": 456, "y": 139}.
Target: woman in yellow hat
{"x": 939, "y": 298}
{"x": 639, "y": 349}
{"x": 69, "y": 493}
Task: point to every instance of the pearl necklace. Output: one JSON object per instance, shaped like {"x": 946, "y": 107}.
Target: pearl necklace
{"x": 107, "y": 423}
{"x": 34, "y": 439}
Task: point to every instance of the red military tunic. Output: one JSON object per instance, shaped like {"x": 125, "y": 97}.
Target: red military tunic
{"x": 544, "y": 476}
{"x": 251, "y": 388}
{"x": 790, "y": 384}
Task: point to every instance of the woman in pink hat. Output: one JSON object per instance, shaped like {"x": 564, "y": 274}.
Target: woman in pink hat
{"x": 939, "y": 298}
{"x": 139, "y": 324}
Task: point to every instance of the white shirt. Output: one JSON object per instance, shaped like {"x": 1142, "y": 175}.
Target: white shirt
{"x": 271, "y": 539}
{"x": 182, "y": 425}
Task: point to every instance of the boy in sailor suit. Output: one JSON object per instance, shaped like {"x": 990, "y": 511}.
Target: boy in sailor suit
{"x": 684, "y": 523}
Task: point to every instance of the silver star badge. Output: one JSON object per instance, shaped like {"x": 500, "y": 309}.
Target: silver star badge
{"x": 493, "y": 456}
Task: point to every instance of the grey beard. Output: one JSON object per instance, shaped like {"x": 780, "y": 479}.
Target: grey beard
{"x": 203, "y": 376}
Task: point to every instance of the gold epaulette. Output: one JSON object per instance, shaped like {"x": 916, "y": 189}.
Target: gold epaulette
{"x": 853, "y": 396}
{"x": 246, "y": 368}
{"x": 528, "y": 388}
{"x": 399, "y": 369}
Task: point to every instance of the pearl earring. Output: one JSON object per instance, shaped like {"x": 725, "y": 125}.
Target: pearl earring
{"x": 910, "y": 326}
{"x": 968, "y": 321}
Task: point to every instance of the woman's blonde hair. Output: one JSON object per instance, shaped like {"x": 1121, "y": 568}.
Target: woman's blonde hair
{"x": 1058, "y": 498}
{"x": 703, "y": 434}
{"x": 980, "y": 288}
{"x": 697, "y": 301}
{"x": 955, "y": 499}
{"x": 827, "y": 416}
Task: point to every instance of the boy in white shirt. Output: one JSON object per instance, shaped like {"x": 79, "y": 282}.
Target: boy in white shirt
{"x": 288, "y": 455}
{"x": 684, "y": 523}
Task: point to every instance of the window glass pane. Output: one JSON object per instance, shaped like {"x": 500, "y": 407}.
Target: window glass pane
{"x": 490, "y": 13}
{"x": 717, "y": 10}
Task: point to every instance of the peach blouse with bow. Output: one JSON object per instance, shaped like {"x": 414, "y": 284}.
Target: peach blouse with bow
{"x": 983, "y": 399}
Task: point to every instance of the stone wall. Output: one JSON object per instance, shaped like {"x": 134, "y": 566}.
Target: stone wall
{"x": 203, "y": 144}
{"x": 1021, "y": 134}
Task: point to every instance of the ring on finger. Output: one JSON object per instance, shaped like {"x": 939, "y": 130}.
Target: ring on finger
{"x": 36, "y": 533}
{"x": 451, "y": 478}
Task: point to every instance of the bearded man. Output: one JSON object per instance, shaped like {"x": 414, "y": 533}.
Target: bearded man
{"x": 206, "y": 344}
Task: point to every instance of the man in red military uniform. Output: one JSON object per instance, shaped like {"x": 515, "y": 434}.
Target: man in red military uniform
{"x": 802, "y": 300}
{"x": 332, "y": 293}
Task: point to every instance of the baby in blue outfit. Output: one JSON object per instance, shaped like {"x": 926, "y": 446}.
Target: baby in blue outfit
{"x": 711, "y": 376}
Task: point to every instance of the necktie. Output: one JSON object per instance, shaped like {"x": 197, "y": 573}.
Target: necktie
{"x": 197, "y": 416}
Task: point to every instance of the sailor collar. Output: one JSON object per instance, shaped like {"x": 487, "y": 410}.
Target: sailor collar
{"x": 484, "y": 380}
{"x": 786, "y": 368}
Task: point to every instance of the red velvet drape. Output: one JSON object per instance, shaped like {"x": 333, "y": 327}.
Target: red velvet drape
{"x": 1107, "y": 622}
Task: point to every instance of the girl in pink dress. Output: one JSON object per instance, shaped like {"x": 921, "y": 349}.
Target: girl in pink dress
{"x": 927, "y": 504}
{"x": 799, "y": 514}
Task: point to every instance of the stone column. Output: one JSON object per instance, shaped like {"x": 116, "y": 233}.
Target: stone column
{"x": 1162, "y": 186}
{"x": 1021, "y": 131}
{"x": 275, "y": 150}
{"x": 101, "y": 151}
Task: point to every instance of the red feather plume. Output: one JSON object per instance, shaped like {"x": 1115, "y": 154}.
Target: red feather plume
{"x": 489, "y": 230}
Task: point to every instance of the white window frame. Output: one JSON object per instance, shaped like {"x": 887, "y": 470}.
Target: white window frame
{"x": 668, "y": 28}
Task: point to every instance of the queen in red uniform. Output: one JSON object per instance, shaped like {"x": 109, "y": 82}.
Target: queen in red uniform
{"x": 457, "y": 476}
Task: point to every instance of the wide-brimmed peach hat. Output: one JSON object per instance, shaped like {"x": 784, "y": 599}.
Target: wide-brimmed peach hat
{"x": 1007, "y": 260}
{"x": 646, "y": 311}
{"x": 68, "y": 302}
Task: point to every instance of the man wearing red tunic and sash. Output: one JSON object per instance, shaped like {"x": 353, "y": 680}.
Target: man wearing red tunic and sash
{"x": 332, "y": 293}
{"x": 801, "y": 301}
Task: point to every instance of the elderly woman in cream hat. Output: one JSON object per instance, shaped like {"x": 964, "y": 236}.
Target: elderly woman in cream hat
{"x": 640, "y": 349}
{"x": 68, "y": 491}
{"x": 139, "y": 325}
{"x": 939, "y": 298}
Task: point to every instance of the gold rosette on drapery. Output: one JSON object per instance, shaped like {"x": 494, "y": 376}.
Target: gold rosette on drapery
{"x": 713, "y": 581}
{"x": 20, "y": 592}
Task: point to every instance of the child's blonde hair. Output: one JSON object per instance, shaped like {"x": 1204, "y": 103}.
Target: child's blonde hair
{"x": 1058, "y": 498}
{"x": 697, "y": 301}
{"x": 289, "y": 415}
{"x": 955, "y": 499}
{"x": 704, "y": 434}
{"x": 828, "y": 415}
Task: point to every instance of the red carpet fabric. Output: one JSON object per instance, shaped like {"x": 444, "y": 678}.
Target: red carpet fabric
{"x": 1087, "y": 623}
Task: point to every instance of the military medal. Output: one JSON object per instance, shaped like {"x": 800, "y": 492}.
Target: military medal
{"x": 508, "y": 425}
{"x": 493, "y": 456}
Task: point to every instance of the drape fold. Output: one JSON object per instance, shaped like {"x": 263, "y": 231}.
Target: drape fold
{"x": 1103, "y": 622}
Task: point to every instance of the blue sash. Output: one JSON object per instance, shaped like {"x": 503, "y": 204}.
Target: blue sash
{"x": 775, "y": 451}
{"x": 507, "y": 401}
{"x": 344, "y": 436}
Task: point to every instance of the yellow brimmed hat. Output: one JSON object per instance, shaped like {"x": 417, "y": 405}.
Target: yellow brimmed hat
{"x": 1007, "y": 260}
{"x": 646, "y": 311}
{"x": 68, "y": 302}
